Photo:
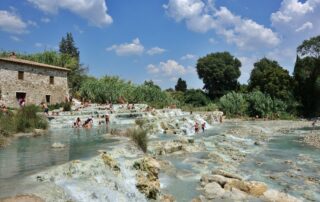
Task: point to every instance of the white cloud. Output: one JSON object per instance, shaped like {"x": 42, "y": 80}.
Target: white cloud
{"x": 169, "y": 68}
{"x": 38, "y": 45}
{"x": 78, "y": 29}
{"x": 188, "y": 57}
{"x": 95, "y": 11}
{"x": 32, "y": 23}
{"x": 155, "y": 51}
{"x": 246, "y": 67}
{"x": 295, "y": 16}
{"x": 307, "y": 25}
{"x": 45, "y": 20}
{"x": 10, "y": 22}
{"x": 133, "y": 48}
{"x": 14, "y": 38}
{"x": 172, "y": 67}
{"x": 152, "y": 69}
{"x": 212, "y": 41}
{"x": 202, "y": 16}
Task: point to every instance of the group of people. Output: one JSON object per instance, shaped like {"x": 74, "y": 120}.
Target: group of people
{"x": 88, "y": 123}
{"x": 197, "y": 127}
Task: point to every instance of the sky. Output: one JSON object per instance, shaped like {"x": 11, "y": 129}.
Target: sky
{"x": 161, "y": 40}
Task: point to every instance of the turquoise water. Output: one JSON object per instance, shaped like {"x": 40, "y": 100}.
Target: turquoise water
{"x": 26, "y": 156}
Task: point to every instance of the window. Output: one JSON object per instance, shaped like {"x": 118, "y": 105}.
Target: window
{"x": 51, "y": 79}
{"x": 20, "y": 75}
{"x": 48, "y": 98}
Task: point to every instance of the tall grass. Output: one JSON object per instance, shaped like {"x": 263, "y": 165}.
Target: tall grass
{"x": 23, "y": 120}
{"x": 139, "y": 136}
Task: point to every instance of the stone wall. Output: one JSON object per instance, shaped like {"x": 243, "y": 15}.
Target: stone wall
{"x": 36, "y": 84}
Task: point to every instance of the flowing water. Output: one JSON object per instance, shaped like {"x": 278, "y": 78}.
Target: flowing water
{"x": 283, "y": 163}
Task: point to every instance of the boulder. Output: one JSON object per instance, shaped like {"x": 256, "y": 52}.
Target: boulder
{"x": 226, "y": 174}
{"x": 276, "y": 196}
{"x": 213, "y": 190}
{"x": 167, "y": 198}
{"x": 23, "y": 198}
{"x": 250, "y": 187}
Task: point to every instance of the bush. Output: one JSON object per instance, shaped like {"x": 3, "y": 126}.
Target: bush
{"x": 264, "y": 106}
{"x": 139, "y": 136}
{"x": 140, "y": 122}
{"x": 65, "y": 105}
{"x": 27, "y": 119}
{"x": 196, "y": 98}
{"x": 233, "y": 104}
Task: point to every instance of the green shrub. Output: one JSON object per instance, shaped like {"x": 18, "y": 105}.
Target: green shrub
{"x": 27, "y": 119}
{"x": 233, "y": 104}
{"x": 140, "y": 122}
{"x": 139, "y": 136}
{"x": 196, "y": 98}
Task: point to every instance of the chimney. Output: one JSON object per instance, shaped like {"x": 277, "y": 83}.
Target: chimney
{"x": 13, "y": 55}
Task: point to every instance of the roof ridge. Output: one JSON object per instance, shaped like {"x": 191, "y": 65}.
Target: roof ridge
{"x": 29, "y": 62}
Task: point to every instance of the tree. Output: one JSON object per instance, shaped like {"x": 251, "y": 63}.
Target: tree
{"x": 70, "y": 53}
{"x": 219, "y": 72}
{"x": 307, "y": 76}
{"x": 196, "y": 98}
{"x": 67, "y": 46}
{"x": 270, "y": 78}
{"x": 181, "y": 85}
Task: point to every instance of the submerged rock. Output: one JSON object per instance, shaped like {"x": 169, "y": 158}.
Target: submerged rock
{"x": 108, "y": 160}
{"x": 58, "y": 145}
{"x": 39, "y": 132}
{"x": 23, "y": 198}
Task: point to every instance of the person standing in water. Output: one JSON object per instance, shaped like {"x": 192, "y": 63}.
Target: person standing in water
{"x": 107, "y": 118}
{"x": 196, "y": 127}
{"x": 203, "y": 126}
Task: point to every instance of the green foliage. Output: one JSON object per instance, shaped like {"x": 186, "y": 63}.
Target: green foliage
{"x": 196, "y": 98}
{"x": 270, "y": 78}
{"x": 139, "y": 136}
{"x": 67, "y": 46}
{"x": 23, "y": 120}
{"x": 264, "y": 106}
{"x": 65, "y": 105}
{"x": 307, "y": 76}
{"x": 140, "y": 122}
{"x": 181, "y": 85}
{"x": 310, "y": 48}
{"x": 112, "y": 88}
{"x": 27, "y": 119}
{"x": 233, "y": 104}
{"x": 219, "y": 72}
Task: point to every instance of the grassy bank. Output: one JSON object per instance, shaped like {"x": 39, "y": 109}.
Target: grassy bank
{"x": 24, "y": 119}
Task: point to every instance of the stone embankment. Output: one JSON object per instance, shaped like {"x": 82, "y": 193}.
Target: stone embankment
{"x": 222, "y": 185}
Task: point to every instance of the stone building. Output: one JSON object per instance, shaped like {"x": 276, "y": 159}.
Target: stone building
{"x": 32, "y": 82}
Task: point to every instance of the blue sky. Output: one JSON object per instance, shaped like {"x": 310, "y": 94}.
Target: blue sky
{"x": 161, "y": 39}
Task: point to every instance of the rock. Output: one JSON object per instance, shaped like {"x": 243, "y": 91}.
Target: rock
{"x": 216, "y": 157}
{"x": 226, "y": 174}
{"x": 39, "y": 132}
{"x": 276, "y": 196}
{"x": 257, "y": 143}
{"x": 169, "y": 132}
{"x": 58, "y": 145}
{"x": 148, "y": 177}
{"x": 250, "y": 187}
{"x": 150, "y": 188}
{"x": 23, "y": 198}
{"x": 213, "y": 190}
{"x": 167, "y": 198}
{"x": 171, "y": 147}
{"x": 108, "y": 160}
{"x": 235, "y": 195}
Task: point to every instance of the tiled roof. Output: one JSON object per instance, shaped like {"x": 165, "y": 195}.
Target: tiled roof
{"x": 36, "y": 64}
